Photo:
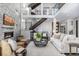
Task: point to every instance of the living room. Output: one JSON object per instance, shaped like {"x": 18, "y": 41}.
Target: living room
{"x": 63, "y": 25}
{"x": 39, "y": 27}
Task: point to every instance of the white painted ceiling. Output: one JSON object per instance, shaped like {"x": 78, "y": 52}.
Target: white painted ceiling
{"x": 15, "y": 7}
{"x": 68, "y": 11}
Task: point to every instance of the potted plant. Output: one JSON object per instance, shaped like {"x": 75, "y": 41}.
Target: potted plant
{"x": 38, "y": 36}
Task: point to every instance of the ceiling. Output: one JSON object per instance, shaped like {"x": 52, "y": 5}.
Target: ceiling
{"x": 13, "y": 7}
{"x": 68, "y": 11}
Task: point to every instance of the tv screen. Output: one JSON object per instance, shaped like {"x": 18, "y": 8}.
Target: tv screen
{"x": 8, "y": 20}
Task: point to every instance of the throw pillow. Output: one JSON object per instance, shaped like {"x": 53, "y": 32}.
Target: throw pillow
{"x": 65, "y": 38}
{"x": 72, "y": 37}
{"x": 13, "y": 44}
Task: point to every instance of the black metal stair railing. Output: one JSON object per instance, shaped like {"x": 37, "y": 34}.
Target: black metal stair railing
{"x": 37, "y": 24}
{"x": 32, "y": 13}
{"x": 33, "y": 5}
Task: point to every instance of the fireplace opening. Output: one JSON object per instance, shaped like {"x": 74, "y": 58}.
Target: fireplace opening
{"x": 8, "y": 35}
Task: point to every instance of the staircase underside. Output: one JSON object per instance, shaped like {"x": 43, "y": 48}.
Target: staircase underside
{"x": 33, "y": 6}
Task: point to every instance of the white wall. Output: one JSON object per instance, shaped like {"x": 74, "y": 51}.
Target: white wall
{"x": 1, "y": 36}
{"x": 25, "y": 32}
{"x": 9, "y": 12}
{"x": 69, "y": 25}
{"x": 46, "y": 26}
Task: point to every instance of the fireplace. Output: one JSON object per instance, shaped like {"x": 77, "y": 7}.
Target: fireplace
{"x": 8, "y": 35}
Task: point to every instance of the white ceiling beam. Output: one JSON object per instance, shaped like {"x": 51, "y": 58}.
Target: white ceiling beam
{"x": 37, "y": 16}
{"x": 68, "y": 11}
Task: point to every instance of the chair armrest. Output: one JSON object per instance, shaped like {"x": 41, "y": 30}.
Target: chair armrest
{"x": 23, "y": 40}
{"x": 20, "y": 50}
{"x": 20, "y": 43}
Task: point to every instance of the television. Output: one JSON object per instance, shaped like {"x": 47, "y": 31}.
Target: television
{"x": 8, "y": 20}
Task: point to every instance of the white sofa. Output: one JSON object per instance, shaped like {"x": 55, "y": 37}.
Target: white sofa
{"x": 60, "y": 42}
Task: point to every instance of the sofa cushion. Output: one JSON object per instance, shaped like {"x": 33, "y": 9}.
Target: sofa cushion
{"x": 6, "y": 50}
{"x": 38, "y": 36}
{"x": 71, "y": 37}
